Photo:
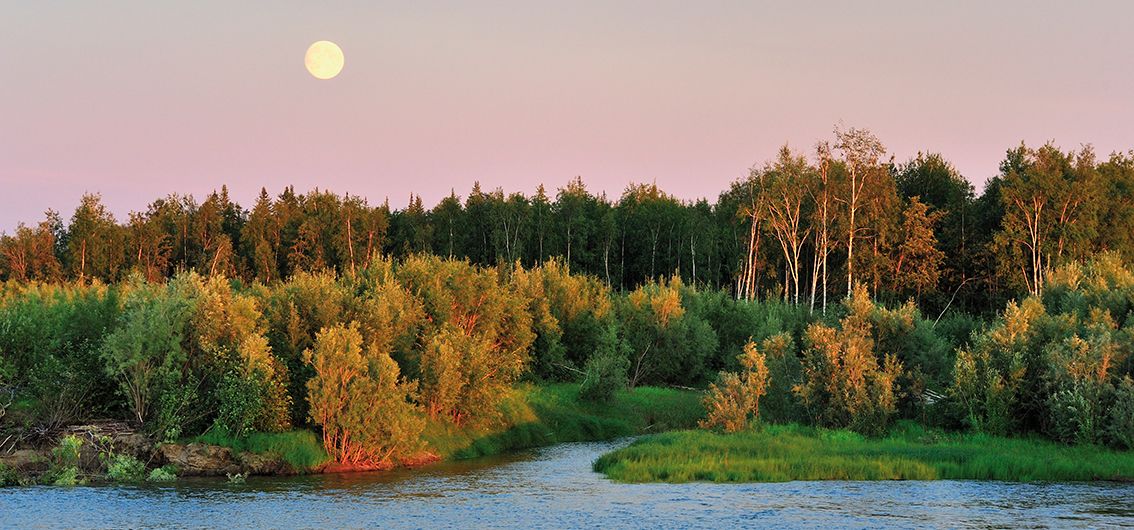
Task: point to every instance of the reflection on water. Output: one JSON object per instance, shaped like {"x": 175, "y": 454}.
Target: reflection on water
{"x": 554, "y": 487}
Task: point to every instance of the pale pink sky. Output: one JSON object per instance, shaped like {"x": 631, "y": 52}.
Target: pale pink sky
{"x": 139, "y": 99}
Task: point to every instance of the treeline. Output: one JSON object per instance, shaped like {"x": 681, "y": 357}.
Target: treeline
{"x": 804, "y": 227}
{"x": 364, "y": 358}
{"x": 1058, "y": 364}
{"x": 368, "y": 359}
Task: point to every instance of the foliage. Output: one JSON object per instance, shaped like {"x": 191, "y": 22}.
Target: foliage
{"x": 605, "y": 376}
{"x": 1121, "y": 421}
{"x": 8, "y": 476}
{"x": 666, "y": 343}
{"x": 165, "y": 473}
{"x": 360, "y": 400}
{"x": 241, "y": 402}
{"x": 63, "y": 469}
{"x": 125, "y": 468}
{"x": 734, "y": 402}
{"x": 846, "y": 383}
{"x": 144, "y": 352}
{"x": 1055, "y": 364}
{"x": 49, "y": 349}
{"x": 477, "y": 339}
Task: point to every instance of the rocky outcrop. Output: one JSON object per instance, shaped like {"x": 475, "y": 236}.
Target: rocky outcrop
{"x": 108, "y": 437}
{"x": 197, "y": 459}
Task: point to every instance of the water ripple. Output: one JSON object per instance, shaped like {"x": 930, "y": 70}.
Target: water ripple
{"x": 555, "y": 488}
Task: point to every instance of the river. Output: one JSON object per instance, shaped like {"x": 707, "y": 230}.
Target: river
{"x": 554, "y": 487}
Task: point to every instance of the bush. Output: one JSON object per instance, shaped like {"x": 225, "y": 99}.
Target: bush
{"x": 1055, "y": 363}
{"x": 145, "y": 350}
{"x": 846, "y": 383}
{"x": 49, "y": 342}
{"x": 666, "y": 342}
{"x": 605, "y": 377}
{"x": 1120, "y": 424}
{"x": 360, "y": 401}
{"x": 581, "y": 306}
{"x": 64, "y": 466}
{"x": 8, "y": 476}
{"x": 166, "y": 473}
{"x": 477, "y": 337}
{"x": 989, "y": 380}
{"x": 125, "y": 468}
{"x": 785, "y": 371}
{"x": 241, "y": 403}
{"x": 733, "y": 403}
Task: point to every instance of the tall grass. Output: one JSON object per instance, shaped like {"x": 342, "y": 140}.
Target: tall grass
{"x": 534, "y": 416}
{"x": 910, "y": 452}
{"x": 301, "y": 449}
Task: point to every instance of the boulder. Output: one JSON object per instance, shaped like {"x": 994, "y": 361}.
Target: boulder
{"x": 257, "y": 464}
{"x": 199, "y": 459}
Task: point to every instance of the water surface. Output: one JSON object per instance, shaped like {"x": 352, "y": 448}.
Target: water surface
{"x": 555, "y": 487}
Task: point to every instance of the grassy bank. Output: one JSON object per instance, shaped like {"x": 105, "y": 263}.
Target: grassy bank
{"x": 535, "y": 416}
{"x": 302, "y": 449}
{"x": 783, "y": 453}
{"x": 530, "y": 416}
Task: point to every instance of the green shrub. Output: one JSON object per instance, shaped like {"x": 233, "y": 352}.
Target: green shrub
{"x": 64, "y": 467}
{"x": 605, "y": 377}
{"x": 667, "y": 342}
{"x": 8, "y": 476}
{"x": 178, "y": 402}
{"x": 241, "y": 403}
{"x": 1121, "y": 422}
{"x": 125, "y": 468}
{"x": 145, "y": 350}
{"x": 785, "y": 371}
{"x": 166, "y": 473}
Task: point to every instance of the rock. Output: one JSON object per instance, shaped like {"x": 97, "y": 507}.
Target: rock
{"x": 257, "y": 464}
{"x": 103, "y": 437}
{"x": 199, "y": 459}
{"x": 134, "y": 444}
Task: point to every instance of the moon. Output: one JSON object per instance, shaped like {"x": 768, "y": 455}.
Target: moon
{"x": 324, "y": 59}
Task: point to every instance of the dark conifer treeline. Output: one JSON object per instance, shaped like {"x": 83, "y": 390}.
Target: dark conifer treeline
{"x": 804, "y": 227}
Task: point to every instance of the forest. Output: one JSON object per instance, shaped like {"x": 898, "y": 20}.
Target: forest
{"x": 835, "y": 288}
{"x": 803, "y": 227}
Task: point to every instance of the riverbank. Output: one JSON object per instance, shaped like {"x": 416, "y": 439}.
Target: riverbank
{"x": 779, "y": 453}
{"x": 529, "y": 416}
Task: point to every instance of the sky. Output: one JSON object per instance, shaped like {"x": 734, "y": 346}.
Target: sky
{"x": 136, "y": 100}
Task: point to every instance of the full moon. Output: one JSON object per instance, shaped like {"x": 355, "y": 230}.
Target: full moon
{"x": 324, "y": 59}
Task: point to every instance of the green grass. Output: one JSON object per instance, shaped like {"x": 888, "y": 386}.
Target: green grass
{"x": 302, "y": 449}
{"x": 535, "y": 416}
{"x": 910, "y": 452}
